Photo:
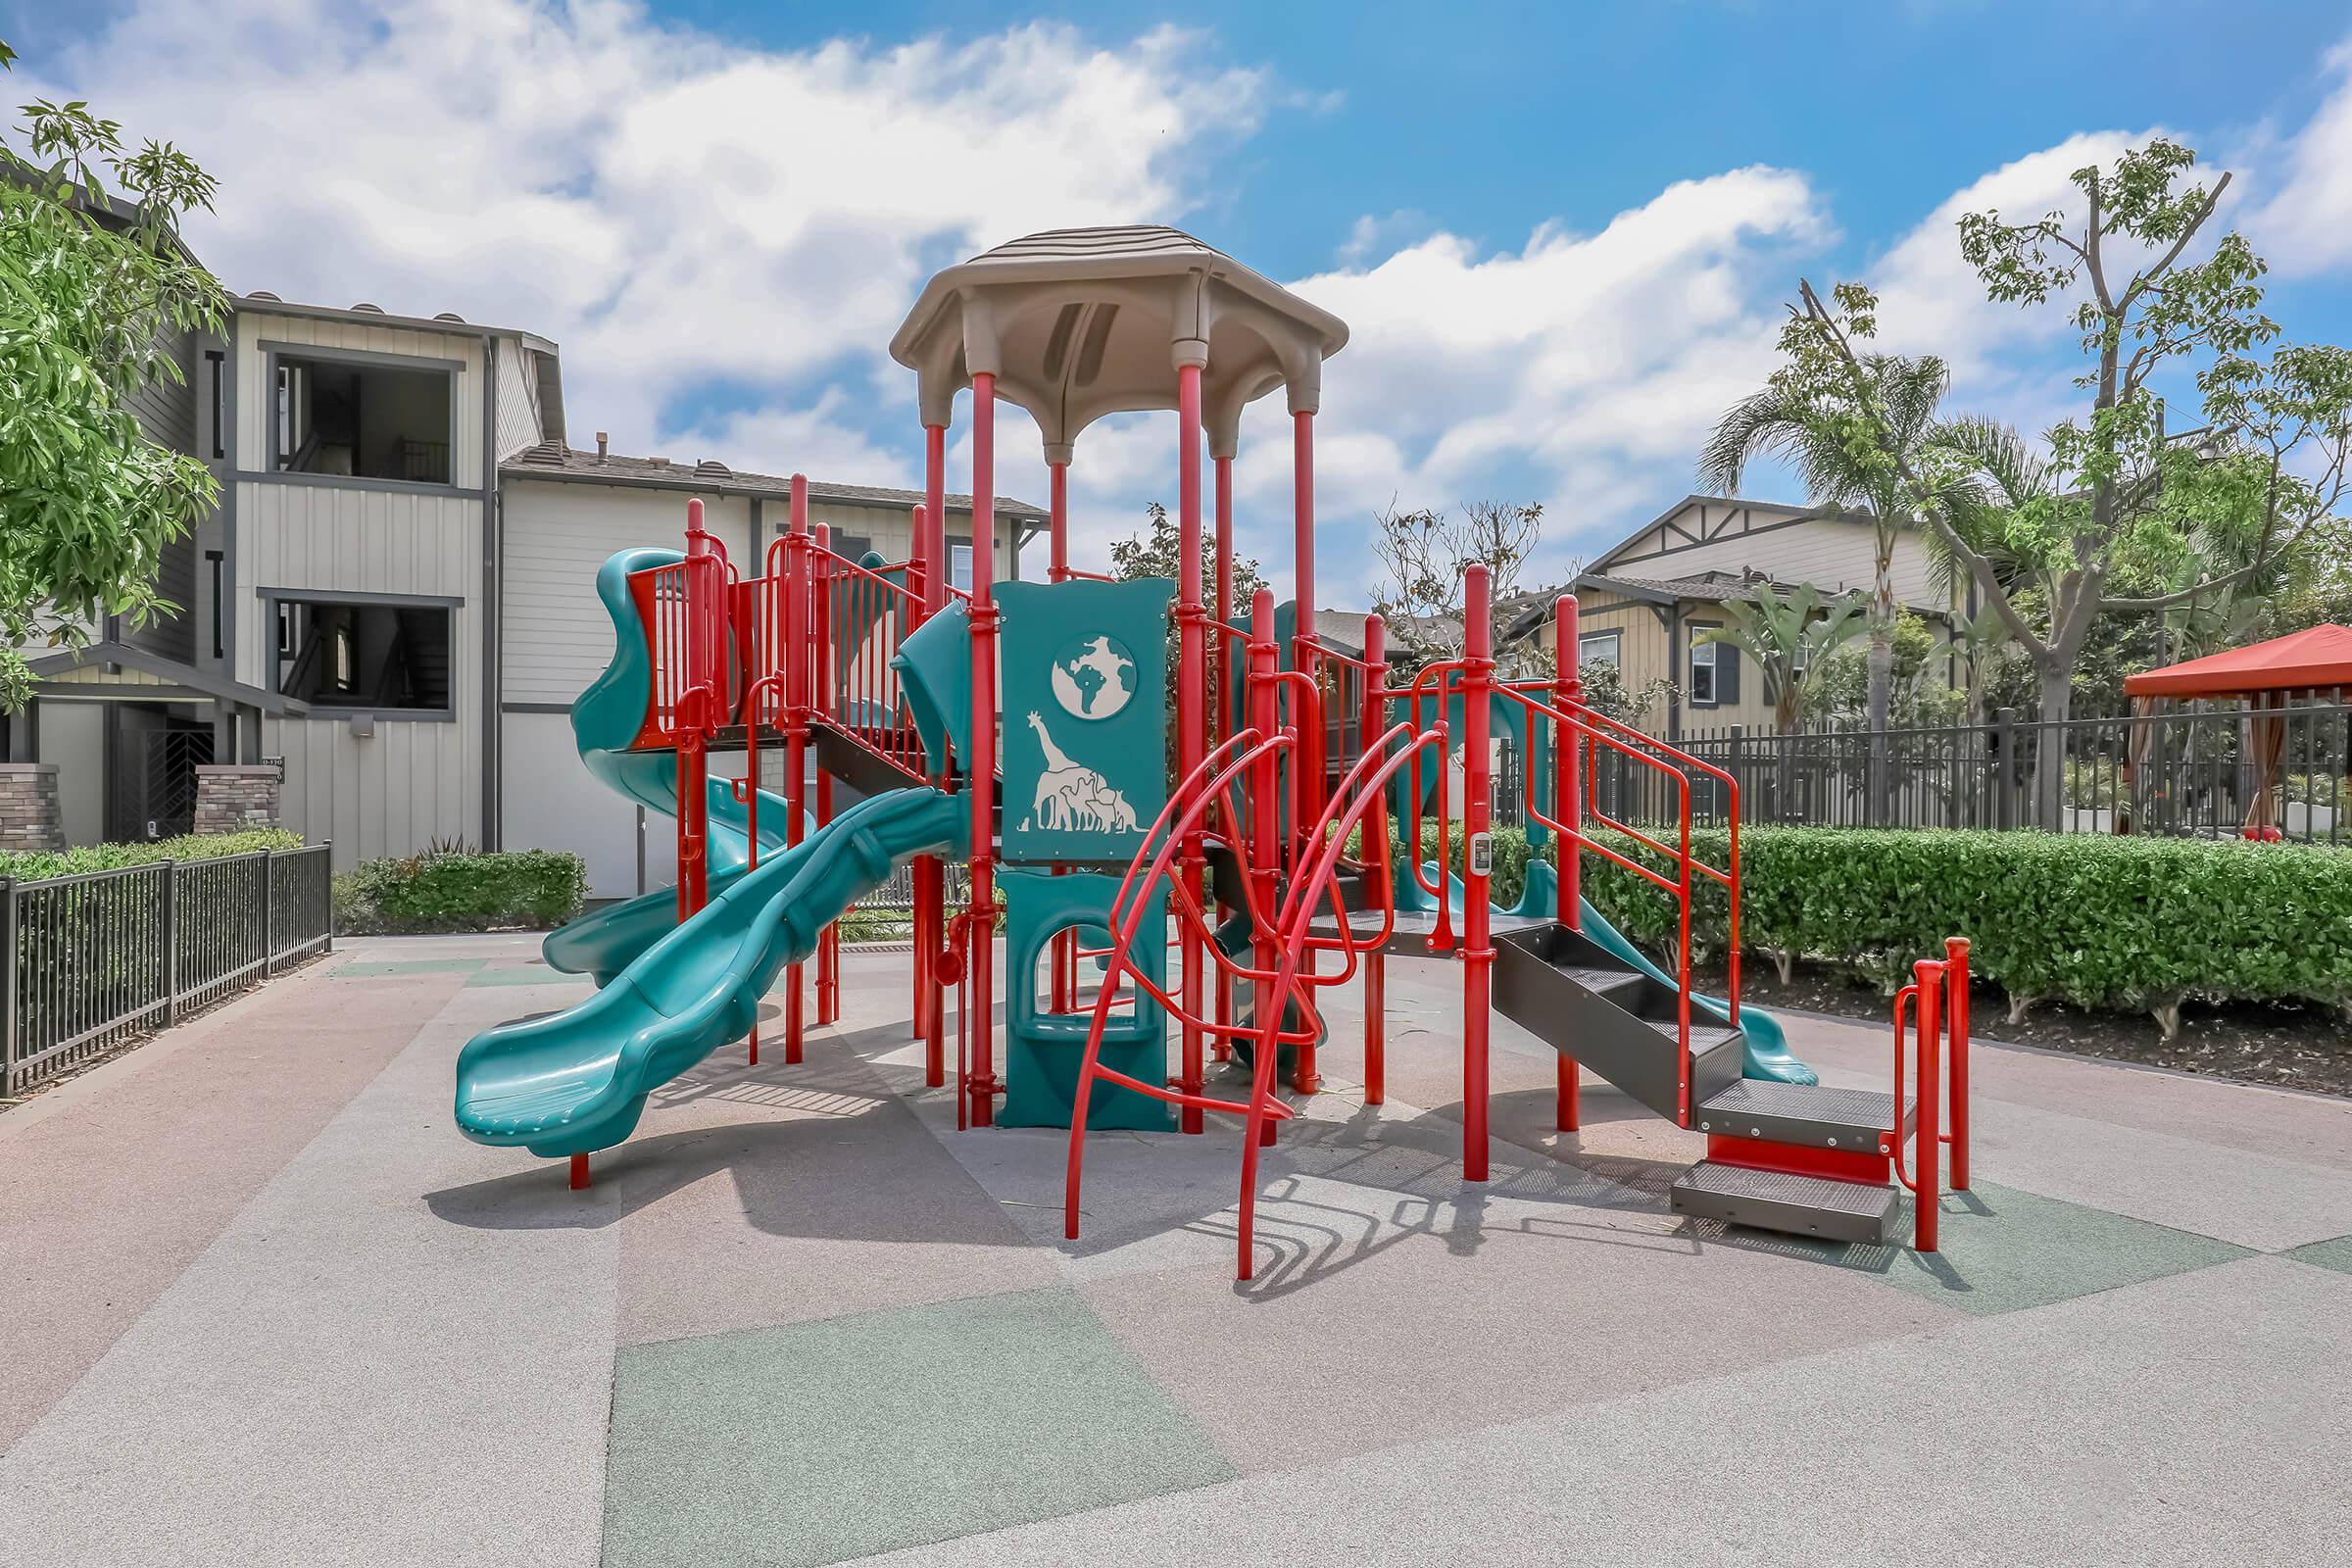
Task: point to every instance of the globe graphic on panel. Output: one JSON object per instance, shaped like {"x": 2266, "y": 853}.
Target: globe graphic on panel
{"x": 1094, "y": 677}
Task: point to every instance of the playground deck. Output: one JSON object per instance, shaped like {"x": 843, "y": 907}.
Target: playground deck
{"x": 267, "y": 1307}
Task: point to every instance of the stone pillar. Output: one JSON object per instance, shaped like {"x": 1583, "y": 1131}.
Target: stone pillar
{"x": 235, "y": 796}
{"x": 29, "y": 811}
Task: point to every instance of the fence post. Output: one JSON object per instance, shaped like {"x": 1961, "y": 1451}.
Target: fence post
{"x": 2004, "y": 751}
{"x": 170, "y": 943}
{"x": 1735, "y": 763}
{"x": 327, "y": 874}
{"x": 268, "y": 923}
{"x": 9, "y": 1035}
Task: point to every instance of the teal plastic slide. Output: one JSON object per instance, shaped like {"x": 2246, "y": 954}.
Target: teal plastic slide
{"x": 605, "y": 720}
{"x": 575, "y": 1082}
{"x": 1767, "y": 1045}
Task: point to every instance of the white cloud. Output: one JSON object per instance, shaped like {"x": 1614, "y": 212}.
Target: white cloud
{"x": 674, "y": 211}
{"x": 2305, "y": 226}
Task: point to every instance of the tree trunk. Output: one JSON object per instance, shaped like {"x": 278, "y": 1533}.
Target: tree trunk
{"x": 2057, "y": 688}
{"x": 1880, "y": 699}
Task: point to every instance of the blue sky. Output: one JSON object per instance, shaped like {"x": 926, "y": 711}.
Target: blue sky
{"x": 1561, "y": 233}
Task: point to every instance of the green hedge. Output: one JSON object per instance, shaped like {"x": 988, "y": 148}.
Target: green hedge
{"x": 2093, "y": 919}
{"x": 33, "y": 866}
{"x": 461, "y": 891}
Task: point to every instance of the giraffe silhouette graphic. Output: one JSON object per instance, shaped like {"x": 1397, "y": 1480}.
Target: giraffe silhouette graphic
{"x": 1072, "y": 797}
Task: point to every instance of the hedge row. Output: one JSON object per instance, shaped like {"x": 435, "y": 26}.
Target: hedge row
{"x": 538, "y": 889}
{"x": 35, "y": 865}
{"x": 2093, "y": 919}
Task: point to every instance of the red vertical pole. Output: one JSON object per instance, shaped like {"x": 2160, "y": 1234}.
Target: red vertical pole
{"x": 1057, "y": 519}
{"x": 980, "y": 965}
{"x": 579, "y": 1172}
{"x": 1374, "y": 839}
{"x": 916, "y": 609}
{"x": 800, "y": 659}
{"x": 931, "y": 950}
{"x": 1220, "y": 689}
{"x": 1303, "y": 631}
{"x": 1478, "y": 807}
{"x": 1266, "y": 812}
{"x": 1190, "y": 665}
{"x": 694, "y": 695}
{"x": 1927, "y": 1163}
{"x": 1955, "y": 968}
{"x": 1567, "y": 808}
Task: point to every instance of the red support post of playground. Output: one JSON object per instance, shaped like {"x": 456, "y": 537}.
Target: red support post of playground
{"x": 925, "y": 873}
{"x": 931, "y": 894}
{"x": 1190, "y": 356}
{"x": 1265, "y": 811}
{"x": 1567, "y": 808}
{"x": 1057, "y": 519}
{"x": 981, "y": 774}
{"x": 798, "y": 655}
{"x": 1927, "y": 1161}
{"x": 1309, "y": 756}
{"x": 1955, "y": 969}
{"x": 1478, "y": 808}
{"x": 579, "y": 1172}
{"x": 1372, "y": 848}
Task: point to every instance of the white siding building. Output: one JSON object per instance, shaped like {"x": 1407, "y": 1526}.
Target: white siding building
{"x": 395, "y": 600}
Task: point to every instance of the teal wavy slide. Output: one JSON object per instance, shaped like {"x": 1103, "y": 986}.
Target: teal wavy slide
{"x": 575, "y": 1082}
{"x": 604, "y": 721}
{"x": 1765, "y": 1042}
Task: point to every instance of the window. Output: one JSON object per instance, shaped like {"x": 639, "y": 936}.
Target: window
{"x": 1596, "y": 648}
{"x": 362, "y": 421}
{"x": 382, "y": 658}
{"x": 213, "y": 559}
{"x": 215, "y": 377}
{"x": 960, "y": 567}
{"x": 1702, "y": 667}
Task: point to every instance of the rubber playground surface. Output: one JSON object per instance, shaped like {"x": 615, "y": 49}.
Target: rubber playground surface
{"x": 267, "y": 1306}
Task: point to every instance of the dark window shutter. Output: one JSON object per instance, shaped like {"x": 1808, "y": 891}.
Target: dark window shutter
{"x": 1726, "y": 673}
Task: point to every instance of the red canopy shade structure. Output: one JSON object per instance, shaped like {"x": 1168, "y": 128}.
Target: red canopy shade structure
{"x": 2301, "y": 661}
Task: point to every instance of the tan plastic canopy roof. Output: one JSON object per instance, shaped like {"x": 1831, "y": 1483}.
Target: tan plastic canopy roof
{"x": 1079, "y": 322}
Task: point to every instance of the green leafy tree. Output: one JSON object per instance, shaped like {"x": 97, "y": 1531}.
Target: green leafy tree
{"x": 2114, "y": 500}
{"x": 1787, "y": 638}
{"x": 1836, "y": 689}
{"x": 95, "y": 288}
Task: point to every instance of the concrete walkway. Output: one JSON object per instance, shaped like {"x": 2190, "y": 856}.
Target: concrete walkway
{"x": 267, "y": 1307}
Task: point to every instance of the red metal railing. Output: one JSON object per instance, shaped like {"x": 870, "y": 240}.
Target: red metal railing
{"x": 1938, "y": 998}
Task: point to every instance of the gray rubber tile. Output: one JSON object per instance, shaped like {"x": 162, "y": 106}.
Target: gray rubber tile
{"x": 345, "y": 1376}
{"x": 526, "y": 974}
{"x": 375, "y": 968}
{"x": 828, "y": 1441}
{"x": 2192, "y": 1422}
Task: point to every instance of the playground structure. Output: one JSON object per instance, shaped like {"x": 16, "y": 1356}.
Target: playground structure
{"x": 1279, "y": 883}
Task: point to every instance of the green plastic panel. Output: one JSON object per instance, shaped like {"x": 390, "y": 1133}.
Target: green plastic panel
{"x": 1084, "y": 699}
{"x": 1043, "y": 1049}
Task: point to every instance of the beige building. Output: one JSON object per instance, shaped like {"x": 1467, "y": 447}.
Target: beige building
{"x": 394, "y": 603}
{"x": 1646, "y": 604}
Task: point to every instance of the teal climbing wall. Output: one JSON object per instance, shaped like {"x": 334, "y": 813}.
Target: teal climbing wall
{"x": 1041, "y": 1049}
{"x": 1084, "y": 699}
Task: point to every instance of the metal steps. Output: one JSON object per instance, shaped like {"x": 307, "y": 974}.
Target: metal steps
{"x": 1792, "y": 1204}
{"x": 1576, "y": 997}
{"x": 1807, "y": 1115}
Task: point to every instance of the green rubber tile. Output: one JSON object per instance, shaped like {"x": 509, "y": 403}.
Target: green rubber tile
{"x": 367, "y": 971}
{"x": 820, "y": 1442}
{"x": 2335, "y": 1254}
{"x": 2001, "y": 1251}
{"x": 524, "y": 974}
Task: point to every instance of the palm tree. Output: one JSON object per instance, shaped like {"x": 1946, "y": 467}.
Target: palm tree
{"x": 1787, "y": 637}
{"x": 1777, "y": 423}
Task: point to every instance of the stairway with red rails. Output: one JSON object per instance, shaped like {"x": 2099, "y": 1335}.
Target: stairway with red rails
{"x": 1794, "y": 1156}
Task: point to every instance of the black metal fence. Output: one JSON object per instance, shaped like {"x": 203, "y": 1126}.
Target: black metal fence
{"x": 86, "y": 961}
{"x": 2192, "y": 772}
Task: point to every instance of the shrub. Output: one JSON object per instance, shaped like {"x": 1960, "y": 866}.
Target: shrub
{"x": 447, "y": 891}
{"x": 2091, "y": 919}
{"x": 35, "y": 865}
